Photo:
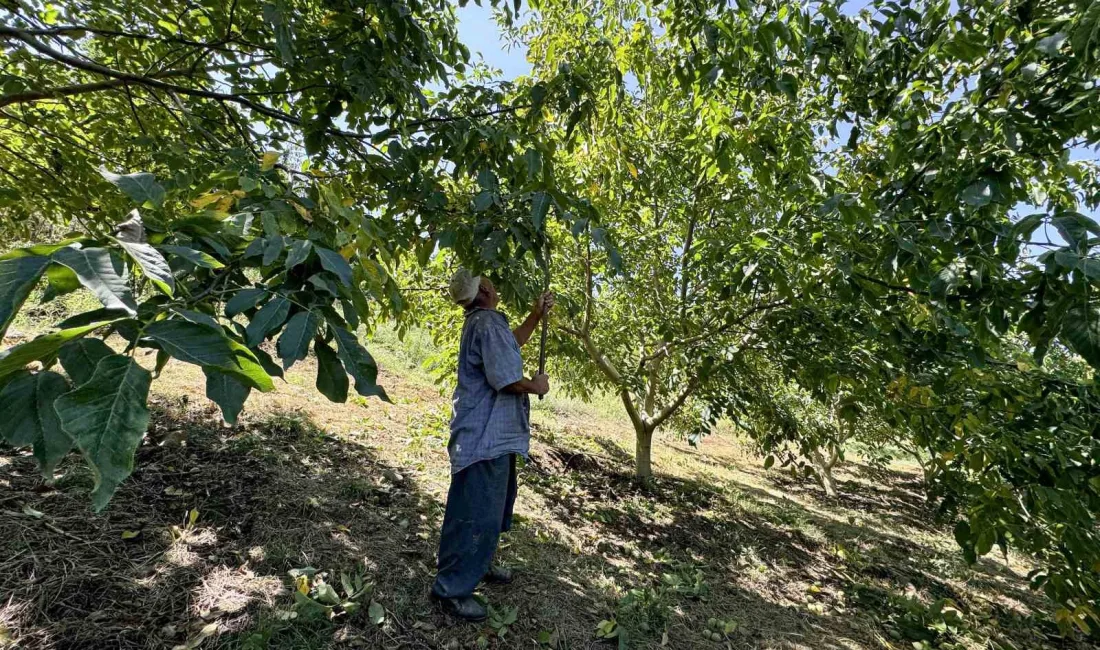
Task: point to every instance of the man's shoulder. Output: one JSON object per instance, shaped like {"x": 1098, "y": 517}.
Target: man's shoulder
{"x": 482, "y": 319}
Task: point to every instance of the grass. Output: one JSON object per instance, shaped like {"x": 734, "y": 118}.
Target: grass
{"x": 715, "y": 552}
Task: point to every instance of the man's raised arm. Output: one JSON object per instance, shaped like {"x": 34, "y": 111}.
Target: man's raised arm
{"x": 538, "y": 312}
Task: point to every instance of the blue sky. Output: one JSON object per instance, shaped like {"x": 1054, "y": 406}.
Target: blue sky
{"x": 480, "y": 33}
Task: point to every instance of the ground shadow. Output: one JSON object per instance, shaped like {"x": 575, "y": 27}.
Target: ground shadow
{"x": 200, "y": 540}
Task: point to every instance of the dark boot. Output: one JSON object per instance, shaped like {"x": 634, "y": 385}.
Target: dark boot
{"x": 464, "y": 607}
{"x": 499, "y": 575}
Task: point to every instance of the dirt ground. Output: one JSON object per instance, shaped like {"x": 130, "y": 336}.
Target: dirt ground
{"x": 195, "y": 549}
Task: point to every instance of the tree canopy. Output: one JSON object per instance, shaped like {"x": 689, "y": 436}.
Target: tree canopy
{"x": 874, "y": 218}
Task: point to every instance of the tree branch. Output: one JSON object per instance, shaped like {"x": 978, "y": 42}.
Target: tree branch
{"x": 673, "y": 406}
{"x": 80, "y": 89}
{"x": 664, "y": 348}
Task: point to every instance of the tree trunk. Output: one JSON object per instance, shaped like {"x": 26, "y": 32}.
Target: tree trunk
{"x": 643, "y": 448}
{"x": 824, "y": 469}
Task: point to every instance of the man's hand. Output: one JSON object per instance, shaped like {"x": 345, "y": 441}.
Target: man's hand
{"x": 541, "y": 384}
{"x": 537, "y": 385}
{"x": 543, "y": 304}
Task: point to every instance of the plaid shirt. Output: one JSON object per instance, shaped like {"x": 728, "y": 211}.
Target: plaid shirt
{"x": 487, "y": 423}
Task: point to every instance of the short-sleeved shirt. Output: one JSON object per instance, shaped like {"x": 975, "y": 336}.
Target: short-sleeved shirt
{"x": 488, "y": 423}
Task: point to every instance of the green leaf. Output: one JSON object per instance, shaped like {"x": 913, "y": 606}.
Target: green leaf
{"x": 107, "y": 418}
{"x": 483, "y": 200}
{"x": 335, "y": 263}
{"x": 30, "y": 419}
{"x": 1081, "y": 331}
{"x": 198, "y": 258}
{"x": 206, "y": 347}
{"x": 270, "y": 367}
{"x": 227, "y": 392}
{"x": 142, "y": 187}
{"x": 42, "y": 347}
{"x": 153, "y": 265}
{"x": 299, "y": 252}
{"x": 294, "y": 343}
{"x": 540, "y": 206}
{"x": 376, "y": 613}
{"x": 1090, "y": 267}
{"x": 332, "y": 380}
{"x": 269, "y": 318}
{"x": 79, "y": 358}
{"x": 61, "y": 280}
{"x": 359, "y": 363}
{"x": 96, "y": 270}
{"x": 28, "y": 406}
{"x": 199, "y": 317}
{"x": 978, "y": 193}
{"x": 273, "y": 248}
{"x": 244, "y": 300}
{"x": 1075, "y": 227}
{"x": 534, "y": 163}
{"x": 17, "y": 278}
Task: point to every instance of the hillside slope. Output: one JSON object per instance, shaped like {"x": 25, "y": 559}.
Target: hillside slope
{"x": 195, "y": 549}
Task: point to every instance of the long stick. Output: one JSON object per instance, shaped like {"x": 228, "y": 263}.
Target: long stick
{"x": 542, "y": 346}
{"x": 545, "y": 315}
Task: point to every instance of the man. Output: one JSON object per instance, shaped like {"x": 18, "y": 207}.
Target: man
{"x": 489, "y": 427}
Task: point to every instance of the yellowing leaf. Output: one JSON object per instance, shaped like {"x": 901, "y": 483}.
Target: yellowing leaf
{"x": 632, "y": 168}
{"x": 348, "y": 251}
{"x": 225, "y": 203}
{"x": 303, "y": 211}
{"x": 483, "y": 146}
{"x": 301, "y": 583}
{"x": 130, "y": 534}
{"x": 192, "y": 516}
{"x": 206, "y": 199}
{"x": 268, "y": 160}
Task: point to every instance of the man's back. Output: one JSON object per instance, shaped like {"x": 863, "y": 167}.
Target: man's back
{"x": 487, "y": 423}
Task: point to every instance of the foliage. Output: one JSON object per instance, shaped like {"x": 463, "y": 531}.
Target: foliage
{"x": 726, "y": 197}
{"x": 835, "y": 202}
{"x": 314, "y": 596}
{"x": 278, "y": 188}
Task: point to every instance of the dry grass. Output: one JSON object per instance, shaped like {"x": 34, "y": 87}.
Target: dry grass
{"x": 359, "y": 488}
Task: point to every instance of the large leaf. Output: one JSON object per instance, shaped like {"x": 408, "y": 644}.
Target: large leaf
{"x": 141, "y": 187}
{"x": 17, "y": 277}
{"x": 1075, "y": 227}
{"x": 334, "y": 263}
{"x": 206, "y": 347}
{"x": 228, "y": 393}
{"x": 299, "y": 252}
{"x": 332, "y": 380}
{"x": 61, "y": 281}
{"x": 1081, "y": 331}
{"x": 42, "y": 347}
{"x": 198, "y": 258}
{"x": 107, "y": 418}
{"x": 359, "y": 363}
{"x": 540, "y": 205}
{"x": 30, "y": 419}
{"x": 79, "y": 358}
{"x": 244, "y": 300}
{"x": 153, "y": 265}
{"x": 96, "y": 271}
{"x": 294, "y": 343}
{"x": 268, "y": 319}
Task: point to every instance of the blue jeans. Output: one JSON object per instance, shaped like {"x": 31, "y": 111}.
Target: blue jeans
{"x": 479, "y": 509}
